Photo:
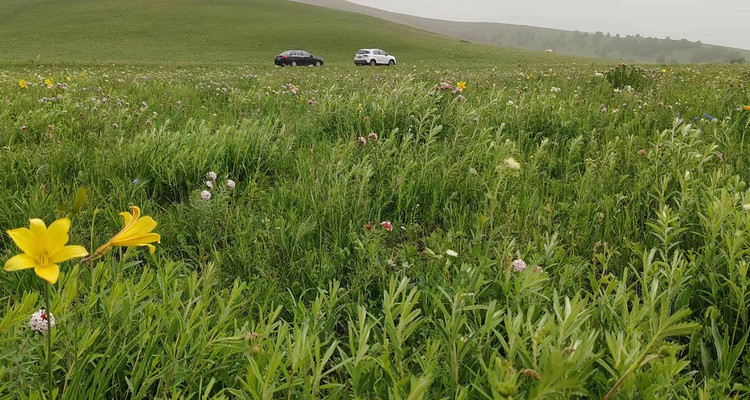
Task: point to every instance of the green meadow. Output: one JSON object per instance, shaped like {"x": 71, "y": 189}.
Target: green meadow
{"x": 557, "y": 228}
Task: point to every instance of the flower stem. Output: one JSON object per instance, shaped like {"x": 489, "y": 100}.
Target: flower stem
{"x": 49, "y": 338}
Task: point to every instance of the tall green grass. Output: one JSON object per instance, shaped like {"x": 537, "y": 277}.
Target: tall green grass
{"x": 628, "y": 199}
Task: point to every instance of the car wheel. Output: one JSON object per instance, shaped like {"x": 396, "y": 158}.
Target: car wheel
{"x": 372, "y": 62}
{"x": 391, "y": 63}
{"x": 294, "y": 63}
{"x": 317, "y": 63}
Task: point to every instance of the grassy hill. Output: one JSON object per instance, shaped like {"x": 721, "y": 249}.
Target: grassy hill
{"x": 216, "y": 31}
{"x": 628, "y": 48}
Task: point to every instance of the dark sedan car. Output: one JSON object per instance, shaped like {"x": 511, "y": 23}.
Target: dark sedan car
{"x": 297, "y": 57}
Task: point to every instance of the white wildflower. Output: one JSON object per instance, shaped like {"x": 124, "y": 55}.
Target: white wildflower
{"x": 38, "y": 321}
{"x": 230, "y": 184}
{"x": 511, "y": 163}
{"x": 212, "y": 175}
{"x": 206, "y": 195}
{"x": 519, "y": 265}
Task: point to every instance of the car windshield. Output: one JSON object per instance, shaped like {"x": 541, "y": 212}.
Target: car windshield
{"x": 363, "y": 52}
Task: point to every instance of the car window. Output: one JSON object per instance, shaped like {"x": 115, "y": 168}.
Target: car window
{"x": 363, "y": 52}
{"x": 286, "y": 53}
{"x": 305, "y": 54}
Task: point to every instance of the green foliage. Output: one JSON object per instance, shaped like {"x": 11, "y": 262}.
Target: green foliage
{"x": 630, "y": 76}
{"x": 632, "y": 203}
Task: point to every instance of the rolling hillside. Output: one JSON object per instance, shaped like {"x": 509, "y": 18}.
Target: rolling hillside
{"x": 600, "y": 44}
{"x": 215, "y": 31}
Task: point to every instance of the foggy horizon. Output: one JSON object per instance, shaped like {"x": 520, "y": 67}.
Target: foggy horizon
{"x": 719, "y": 22}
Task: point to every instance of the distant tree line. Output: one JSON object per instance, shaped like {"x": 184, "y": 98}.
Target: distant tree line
{"x": 600, "y": 44}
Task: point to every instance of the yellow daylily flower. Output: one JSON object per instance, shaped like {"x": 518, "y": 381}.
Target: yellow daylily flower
{"x": 22, "y": 83}
{"x": 43, "y": 248}
{"x": 746, "y": 108}
{"x": 48, "y": 82}
{"x": 136, "y": 232}
{"x": 461, "y": 86}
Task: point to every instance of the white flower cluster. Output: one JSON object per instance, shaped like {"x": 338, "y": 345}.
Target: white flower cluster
{"x": 519, "y": 265}
{"x": 38, "y": 321}
{"x": 212, "y": 176}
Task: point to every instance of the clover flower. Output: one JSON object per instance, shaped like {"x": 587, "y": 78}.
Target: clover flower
{"x": 387, "y": 225}
{"x": 230, "y": 184}
{"x": 206, "y": 195}
{"x": 373, "y": 136}
{"x": 210, "y": 184}
{"x": 518, "y": 265}
{"x": 361, "y": 140}
{"x": 38, "y": 321}
{"x": 212, "y": 175}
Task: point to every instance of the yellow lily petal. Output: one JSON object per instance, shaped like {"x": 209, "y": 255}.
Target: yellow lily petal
{"x": 26, "y": 241}
{"x": 151, "y": 248}
{"x": 37, "y": 227}
{"x": 126, "y": 218}
{"x": 57, "y": 235}
{"x": 68, "y": 252}
{"x": 136, "y": 214}
{"x": 19, "y": 262}
{"x": 138, "y": 240}
{"x": 49, "y": 272}
{"x": 136, "y": 229}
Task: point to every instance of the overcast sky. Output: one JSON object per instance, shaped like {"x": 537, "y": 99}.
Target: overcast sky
{"x": 724, "y": 22}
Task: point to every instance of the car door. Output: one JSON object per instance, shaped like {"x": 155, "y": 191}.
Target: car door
{"x": 297, "y": 57}
{"x": 306, "y": 58}
{"x": 379, "y": 58}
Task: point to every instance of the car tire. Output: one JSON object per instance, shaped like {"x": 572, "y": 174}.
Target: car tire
{"x": 391, "y": 63}
{"x": 372, "y": 62}
{"x": 318, "y": 64}
{"x": 294, "y": 63}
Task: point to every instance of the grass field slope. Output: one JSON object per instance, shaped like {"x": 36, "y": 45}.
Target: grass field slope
{"x": 523, "y": 227}
{"x": 214, "y": 31}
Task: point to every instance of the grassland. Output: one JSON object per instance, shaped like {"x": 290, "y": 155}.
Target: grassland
{"x": 215, "y": 32}
{"x": 559, "y": 230}
{"x": 629, "y": 200}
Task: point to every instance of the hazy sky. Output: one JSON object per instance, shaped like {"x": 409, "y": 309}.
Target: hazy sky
{"x": 724, "y": 22}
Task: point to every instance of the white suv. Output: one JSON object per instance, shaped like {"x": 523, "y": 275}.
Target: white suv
{"x": 373, "y": 57}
